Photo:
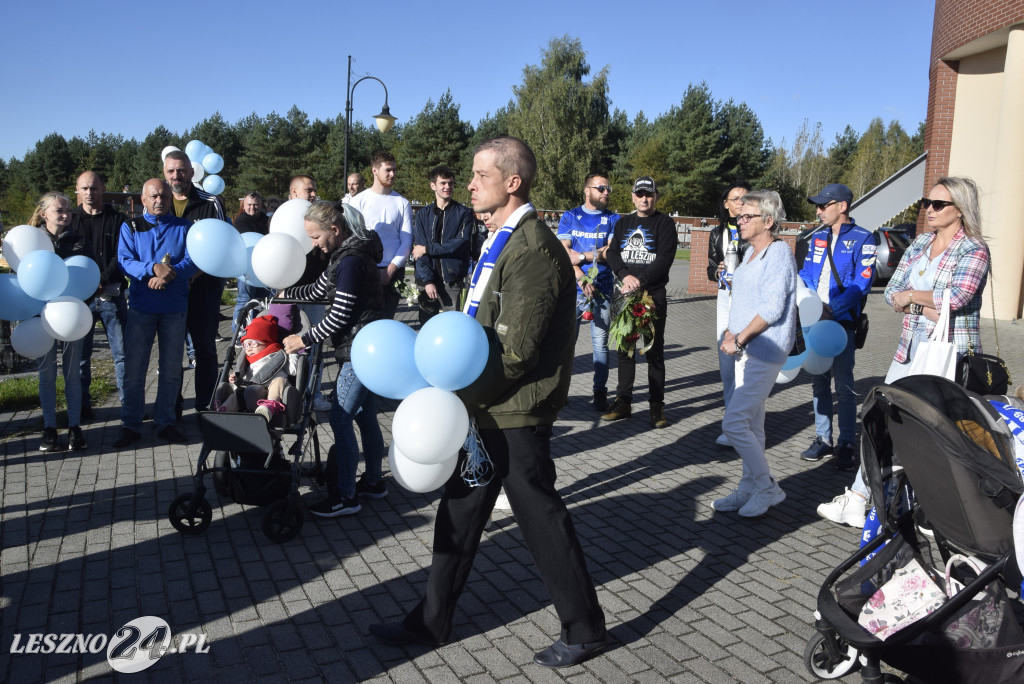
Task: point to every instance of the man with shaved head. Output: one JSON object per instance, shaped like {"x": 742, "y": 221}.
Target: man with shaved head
{"x": 100, "y": 225}
{"x": 152, "y": 254}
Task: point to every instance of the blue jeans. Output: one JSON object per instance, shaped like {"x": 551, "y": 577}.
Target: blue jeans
{"x": 112, "y": 313}
{"x": 71, "y": 368}
{"x": 842, "y": 370}
{"x": 245, "y": 295}
{"x": 598, "y": 335}
{"x": 353, "y": 402}
{"x": 139, "y": 331}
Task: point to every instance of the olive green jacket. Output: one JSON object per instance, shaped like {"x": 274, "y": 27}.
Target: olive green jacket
{"x": 529, "y": 314}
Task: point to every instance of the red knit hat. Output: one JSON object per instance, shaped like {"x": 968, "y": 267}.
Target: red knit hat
{"x": 262, "y": 329}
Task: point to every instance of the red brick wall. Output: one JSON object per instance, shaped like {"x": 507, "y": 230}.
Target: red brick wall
{"x": 956, "y": 23}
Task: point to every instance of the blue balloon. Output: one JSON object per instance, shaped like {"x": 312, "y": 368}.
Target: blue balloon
{"x": 249, "y": 240}
{"x": 795, "y": 361}
{"x": 42, "y": 275}
{"x": 383, "y": 359}
{"x": 213, "y": 185}
{"x": 451, "y": 350}
{"x": 195, "y": 151}
{"x": 827, "y": 338}
{"x": 213, "y": 163}
{"x": 83, "y": 277}
{"x": 216, "y": 248}
{"x": 15, "y": 305}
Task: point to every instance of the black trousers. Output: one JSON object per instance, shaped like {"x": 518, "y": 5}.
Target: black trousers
{"x": 655, "y": 359}
{"x": 522, "y": 459}
{"x": 448, "y": 299}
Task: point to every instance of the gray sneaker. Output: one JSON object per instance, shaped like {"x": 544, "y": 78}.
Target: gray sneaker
{"x": 734, "y": 502}
{"x": 761, "y": 500}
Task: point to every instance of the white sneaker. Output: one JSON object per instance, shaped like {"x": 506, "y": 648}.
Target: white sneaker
{"x": 761, "y": 500}
{"x": 321, "y": 404}
{"x": 849, "y": 508}
{"x": 723, "y": 441}
{"x": 733, "y": 502}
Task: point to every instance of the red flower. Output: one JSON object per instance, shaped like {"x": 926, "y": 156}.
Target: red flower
{"x": 639, "y": 310}
{"x": 633, "y": 337}
{"x": 588, "y": 315}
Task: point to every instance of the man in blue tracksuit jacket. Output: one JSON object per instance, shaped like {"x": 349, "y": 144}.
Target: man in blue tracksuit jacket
{"x": 152, "y": 254}
{"x": 853, "y": 253}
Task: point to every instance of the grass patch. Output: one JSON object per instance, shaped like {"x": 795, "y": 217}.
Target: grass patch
{"x": 683, "y": 254}
{"x": 228, "y": 297}
{"x": 22, "y": 393}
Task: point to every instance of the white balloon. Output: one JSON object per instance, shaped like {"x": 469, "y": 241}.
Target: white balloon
{"x": 419, "y": 477}
{"x": 816, "y": 364}
{"x": 30, "y": 340}
{"x": 169, "y": 148}
{"x": 21, "y": 240}
{"x": 66, "y": 318}
{"x": 787, "y": 375}
{"x": 430, "y": 425}
{"x": 198, "y": 172}
{"x": 278, "y": 260}
{"x": 808, "y": 303}
{"x": 290, "y": 218}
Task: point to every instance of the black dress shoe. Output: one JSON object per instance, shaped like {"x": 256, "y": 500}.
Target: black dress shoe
{"x": 396, "y": 633}
{"x": 50, "y": 442}
{"x": 76, "y": 440}
{"x": 172, "y": 434}
{"x": 127, "y": 437}
{"x": 561, "y": 654}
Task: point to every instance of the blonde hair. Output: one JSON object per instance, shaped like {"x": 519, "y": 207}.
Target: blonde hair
{"x": 42, "y": 205}
{"x": 964, "y": 193}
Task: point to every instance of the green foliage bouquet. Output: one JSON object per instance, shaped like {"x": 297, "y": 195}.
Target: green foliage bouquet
{"x": 632, "y": 327}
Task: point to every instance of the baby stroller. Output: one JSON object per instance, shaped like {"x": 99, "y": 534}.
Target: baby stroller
{"x": 244, "y": 453}
{"x": 935, "y": 457}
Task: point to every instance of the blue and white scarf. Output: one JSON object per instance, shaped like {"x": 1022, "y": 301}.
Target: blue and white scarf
{"x": 489, "y": 256}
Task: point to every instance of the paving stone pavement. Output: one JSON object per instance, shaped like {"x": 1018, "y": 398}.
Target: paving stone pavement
{"x": 690, "y": 595}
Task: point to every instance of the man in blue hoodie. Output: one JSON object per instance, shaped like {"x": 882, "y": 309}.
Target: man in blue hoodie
{"x": 152, "y": 254}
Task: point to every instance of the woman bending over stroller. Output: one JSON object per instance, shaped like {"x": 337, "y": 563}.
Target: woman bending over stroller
{"x": 352, "y": 283}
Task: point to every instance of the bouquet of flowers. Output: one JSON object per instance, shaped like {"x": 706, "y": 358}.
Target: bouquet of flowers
{"x": 632, "y": 327}
{"x": 588, "y": 279}
{"x": 406, "y": 292}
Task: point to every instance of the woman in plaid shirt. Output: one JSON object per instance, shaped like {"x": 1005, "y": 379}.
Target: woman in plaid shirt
{"x": 953, "y": 255}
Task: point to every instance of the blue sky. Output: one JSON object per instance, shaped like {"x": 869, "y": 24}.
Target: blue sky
{"x": 124, "y": 67}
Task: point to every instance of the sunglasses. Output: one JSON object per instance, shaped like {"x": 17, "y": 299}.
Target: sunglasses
{"x": 938, "y": 204}
{"x": 824, "y": 206}
{"x": 644, "y": 193}
{"x": 601, "y": 188}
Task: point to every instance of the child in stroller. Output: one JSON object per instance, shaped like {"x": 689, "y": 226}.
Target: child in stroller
{"x": 259, "y": 382}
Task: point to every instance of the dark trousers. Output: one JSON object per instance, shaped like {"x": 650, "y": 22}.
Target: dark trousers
{"x": 392, "y": 298}
{"x": 522, "y": 460}
{"x": 655, "y": 360}
{"x": 202, "y": 322}
{"x": 449, "y": 297}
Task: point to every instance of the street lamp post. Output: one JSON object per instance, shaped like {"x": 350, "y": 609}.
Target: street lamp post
{"x": 384, "y": 120}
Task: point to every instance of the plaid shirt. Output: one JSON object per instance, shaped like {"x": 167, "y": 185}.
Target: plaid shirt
{"x": 964, "y": 270}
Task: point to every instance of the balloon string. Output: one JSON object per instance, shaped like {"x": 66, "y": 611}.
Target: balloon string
{"x": 478, "y": 469}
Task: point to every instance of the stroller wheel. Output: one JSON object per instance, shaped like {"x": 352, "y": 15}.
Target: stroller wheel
{"x": 282, "y": 521}
{"x": 190, "y": 524}
{"x": 822, "y": 665}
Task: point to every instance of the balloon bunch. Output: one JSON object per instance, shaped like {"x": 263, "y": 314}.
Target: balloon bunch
{"x": 424, "y": 370}
{"x": 45, "y": 292}
{"x": 825, "y": 339}
{"x": 206, "y": 164}
{"x": 275, "y": 260}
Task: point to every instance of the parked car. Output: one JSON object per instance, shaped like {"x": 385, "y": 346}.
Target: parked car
{"x": 892, "y": 242}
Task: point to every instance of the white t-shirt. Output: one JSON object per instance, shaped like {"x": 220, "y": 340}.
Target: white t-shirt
{"x": 391, "y": 216}
{"x": 825, "y": 277}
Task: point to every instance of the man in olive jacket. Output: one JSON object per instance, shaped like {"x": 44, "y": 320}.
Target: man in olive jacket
{"x": 524, "y": 295}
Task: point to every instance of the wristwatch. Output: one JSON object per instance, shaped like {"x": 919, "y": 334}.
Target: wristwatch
{"x": 583, "y": 256}
{"x": 739, "y": 347}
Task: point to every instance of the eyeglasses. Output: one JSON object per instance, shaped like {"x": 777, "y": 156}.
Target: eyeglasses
{"x": 938, "y": 204}
{"x": 601, "y": 188}
{"x": 644, "y": 193}
{"x": 743, "y": 218}
{"x": 826, "y": 205}
{"x": 248, "y": 344}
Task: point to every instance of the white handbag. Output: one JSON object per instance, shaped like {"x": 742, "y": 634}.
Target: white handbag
{"x": 936, "y": 355}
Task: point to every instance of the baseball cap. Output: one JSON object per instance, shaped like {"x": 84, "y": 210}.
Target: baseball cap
{"x": 644, "y": 183}
{"x": 832, "y": 192}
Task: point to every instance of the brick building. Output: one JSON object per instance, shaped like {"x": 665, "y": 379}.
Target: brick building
{"x": 975, "y": 125}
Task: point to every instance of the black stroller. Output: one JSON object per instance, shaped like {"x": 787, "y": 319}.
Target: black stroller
{"x": 935, "y": 457}
{"x": 244, "y": 453}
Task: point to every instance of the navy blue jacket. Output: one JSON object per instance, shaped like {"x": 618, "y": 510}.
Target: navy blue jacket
{"x": 447, "y": 261}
